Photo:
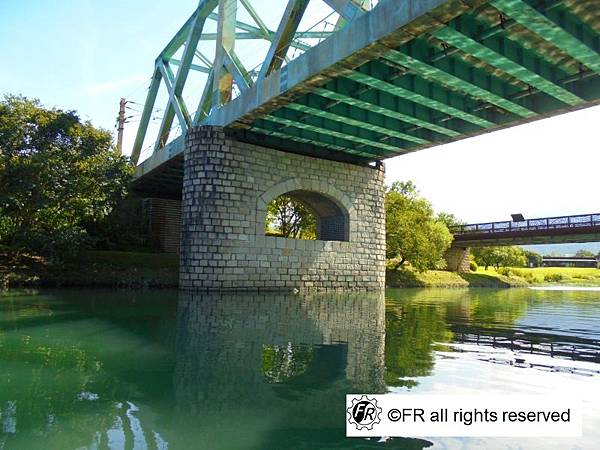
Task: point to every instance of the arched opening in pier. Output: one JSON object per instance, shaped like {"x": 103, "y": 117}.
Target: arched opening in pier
{"x": 305, "y": 214}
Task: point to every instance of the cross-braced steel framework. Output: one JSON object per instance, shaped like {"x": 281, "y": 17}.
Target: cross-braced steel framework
{"x": 396, "y": 78}
{"x": 226, "y": 73}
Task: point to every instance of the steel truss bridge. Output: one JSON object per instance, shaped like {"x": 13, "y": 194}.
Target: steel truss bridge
{"x": 549, "y": 230}
{"x": 402, "y": 76}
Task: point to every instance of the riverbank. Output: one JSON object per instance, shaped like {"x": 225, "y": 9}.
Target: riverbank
{"x": 491, "y": 278}
{"x": 552, "y": 276}
{"x": 143, "y": 270}
{"x": 91, "y": 269}
{"x": 408, "y": 278}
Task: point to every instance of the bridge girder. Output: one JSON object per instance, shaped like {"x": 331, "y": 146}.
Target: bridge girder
{"x": 401, "y": 77}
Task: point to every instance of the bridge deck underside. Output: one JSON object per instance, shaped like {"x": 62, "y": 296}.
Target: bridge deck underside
{"x": 529, "y": 237}
{"x": 410, "y": 75}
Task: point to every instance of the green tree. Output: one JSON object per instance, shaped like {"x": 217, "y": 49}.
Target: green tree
{"x": 57, "y": 174}
{"x": 290, "y": 218}
{"x": 413, "y": 233}
{"x": 533, "y": 259}
{"x": 500, "y": 257}
{"x": 450, "y": 219}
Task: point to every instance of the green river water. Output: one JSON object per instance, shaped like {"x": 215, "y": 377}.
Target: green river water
{"x": 89, "y": 369}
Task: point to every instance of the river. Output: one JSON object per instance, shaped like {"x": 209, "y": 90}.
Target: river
{"x": 161, "y": 369}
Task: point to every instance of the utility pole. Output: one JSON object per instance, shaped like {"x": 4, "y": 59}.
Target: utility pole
{"x": 121, "y": 125}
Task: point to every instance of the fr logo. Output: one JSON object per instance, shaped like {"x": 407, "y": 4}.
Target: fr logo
{"x": 364, "y": 413}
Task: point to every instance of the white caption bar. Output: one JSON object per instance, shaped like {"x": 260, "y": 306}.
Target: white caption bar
{"x": 462, "y": 415}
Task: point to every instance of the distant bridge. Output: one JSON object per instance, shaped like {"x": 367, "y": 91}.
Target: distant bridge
{"x": 548, "y": 230}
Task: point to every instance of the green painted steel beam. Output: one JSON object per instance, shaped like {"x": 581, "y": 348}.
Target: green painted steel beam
{"x": 406, "y": 94}
{"x": 196, "y": 67}
{"x": 175, "y": 104}
{"x": 252, "y": 29}
{"x": 256, "y": 17}
{"x": 348, "y": 12}
{"x": 254, "y": 36}
{"x": 347, "y": 9}
{"x": 203, "y": 10}
{"x": 369, "y": 106}
{"x": 262, "y": 130}
{"x": 205, "y": 103}
{"x": 356, "y": 123}
{"x": 178, "y": 40}
{"x": 235, "y": 67}
{"x": 330, "y": 132}
{"x": 495, "y": 59}
{"x": 321, "y": 139}
{"x": 446, "y": 79}
{"x": 355, "y": 131}
{"x": 203, "y": 58}
{"x": 283, "y": 37}
{"x": 146, "y": 115}
{"x": 534, "y": 20}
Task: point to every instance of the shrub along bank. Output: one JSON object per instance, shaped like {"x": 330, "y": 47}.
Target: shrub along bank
{"x": 93, "y": 269}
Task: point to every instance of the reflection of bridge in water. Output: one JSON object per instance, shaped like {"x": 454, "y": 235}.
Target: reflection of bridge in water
{"x": 547, "y": 230}
{"x": 542, "y": 343}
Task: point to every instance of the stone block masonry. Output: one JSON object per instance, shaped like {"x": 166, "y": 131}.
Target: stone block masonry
{"x": 227, "y": 186}
{"x": 458, "y": 259}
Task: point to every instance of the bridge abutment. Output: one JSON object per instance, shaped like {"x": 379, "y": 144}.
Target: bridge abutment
{"x": 227, "y": 186}
{"x": 458, "y": 259}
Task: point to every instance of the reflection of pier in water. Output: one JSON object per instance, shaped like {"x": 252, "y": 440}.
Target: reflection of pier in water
{"x": 545, "y": 344}
{"x": 272, "y": 371}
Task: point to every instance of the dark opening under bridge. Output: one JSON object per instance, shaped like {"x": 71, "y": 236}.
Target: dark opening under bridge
{"x": 548, "y": 230}
{"x": 400, "y": 77}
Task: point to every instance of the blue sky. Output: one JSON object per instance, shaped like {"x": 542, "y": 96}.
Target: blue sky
{"x": 85, "y": 55}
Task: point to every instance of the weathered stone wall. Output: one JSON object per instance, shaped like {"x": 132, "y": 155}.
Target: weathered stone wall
{"x": 227, "y": 186}
{"x": 457, "y": 259}
{"x": 164, "y": 228}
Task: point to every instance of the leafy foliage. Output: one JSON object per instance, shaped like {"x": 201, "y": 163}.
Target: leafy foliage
{"x": 450, "y": 219}
{"x": 585, "y": 254}
{"x": 553, "y": 277}
{"x": 500, "y": 257}
{"x": 290, "y": 218}
{"x": 281, "y": 363}
{"x": 57, "y": 174}
{"x": 473, "y": 266}
{"x": 533, "y": 259}
{"x": 413, "y": 233}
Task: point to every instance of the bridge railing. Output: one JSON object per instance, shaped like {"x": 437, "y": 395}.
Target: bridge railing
{"x": 547, "y": 223}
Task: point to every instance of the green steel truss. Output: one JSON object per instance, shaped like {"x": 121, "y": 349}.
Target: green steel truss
{"x": 457, "y": 72}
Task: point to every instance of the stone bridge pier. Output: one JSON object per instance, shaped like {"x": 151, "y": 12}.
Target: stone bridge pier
{"x": 458, "y": 258}
{"x": 227, "y": 186}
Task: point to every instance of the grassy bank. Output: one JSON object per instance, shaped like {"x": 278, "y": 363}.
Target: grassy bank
{"x": 408, "y": 278}
{"x": 94, "y": 268}
{"x": 511, "y": 277}
{"x": 541, "y": 276}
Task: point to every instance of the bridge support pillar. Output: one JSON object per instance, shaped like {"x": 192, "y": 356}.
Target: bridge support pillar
{"x": 227, "y": 186}
{"x": 458, "y": 259}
